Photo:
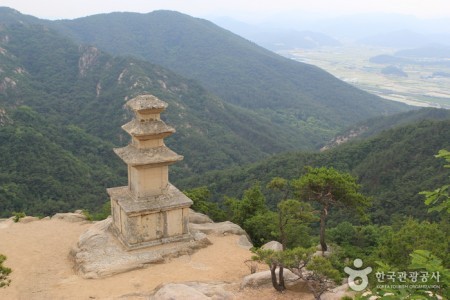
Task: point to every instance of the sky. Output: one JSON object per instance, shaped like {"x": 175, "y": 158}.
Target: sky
{"x": 249, "y": 11}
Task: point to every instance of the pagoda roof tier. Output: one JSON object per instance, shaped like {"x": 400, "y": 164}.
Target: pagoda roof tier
{"x": 170, "y": 199}
{"x": 144, "y": 103}
{"x": 151, "y": 156}
{"x": 156, "y": 128}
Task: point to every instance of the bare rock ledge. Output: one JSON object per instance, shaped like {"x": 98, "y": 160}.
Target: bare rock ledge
{"x": 99, "y": 254}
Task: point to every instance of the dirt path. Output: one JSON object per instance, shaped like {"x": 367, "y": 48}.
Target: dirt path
{"x": 38, "y": 251}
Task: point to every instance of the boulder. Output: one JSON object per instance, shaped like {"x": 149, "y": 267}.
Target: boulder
{"x": 264, "y": 278}
{"x": 244, "y": 242}
{"x": 191, "y": 290}
{"x": 70, "y": 217}
{"x": 325, "y": 254}
{"x": 198, "y": 218}
{"x": 338, "y": 293}
{"x": 221, "y": 228}
{"x": 273, "y": 245}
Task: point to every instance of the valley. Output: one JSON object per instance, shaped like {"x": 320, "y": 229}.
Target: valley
{"x": 419, "y": 85}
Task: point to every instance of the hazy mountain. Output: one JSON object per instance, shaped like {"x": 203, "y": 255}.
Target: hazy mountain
{"x": 393, "y": 71}
{"x": 429, "y": 51}
{"x": 397, "y": 39}
{"x": 358, "y": 26}
{"x": 437, "y": 55}
{"x": 277, "y": 39}
{"x": 294, "y": 94}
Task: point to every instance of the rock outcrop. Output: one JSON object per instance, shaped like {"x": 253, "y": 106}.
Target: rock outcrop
{"x": 273, "y": 245}
{"x": 192, "y": 290}
{"x": 76, "y": 216}
{"x": 198, "y": 218}
{"x": 221, "y": 228}
{"x": 99, "y": 254}
{"x": 338, "y": 293}
{"x": 28, "y": 219}
{"x": 265, "y": 278}
{"x": 244, "y": 242}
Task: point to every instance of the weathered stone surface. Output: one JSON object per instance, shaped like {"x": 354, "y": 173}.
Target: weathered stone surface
{"x": 221, "y": 228}
{"x": 99, "y": 254}
{"x": 28, "y": 219}
{"x": 198, "y": 236}
{"x": 147, "y": 102}
{"x": 191, "y": 290}
{"x": 264, "y": 278}
{"x": 244, "y": 242}
{"x": 157, "y": 127}
{"x": 177, "y": 291}
{"x": 198, "y": 218}
{"x": 135, "y": 157}
{"x": 5, "y": 223}
{"x": 338, "y": 293}
{"x": 273, "y": 245}
{"x": 70, "y": 217}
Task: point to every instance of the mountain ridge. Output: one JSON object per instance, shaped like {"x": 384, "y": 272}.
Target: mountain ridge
{"x": 235, "y": 69}
{"x": 81, "y": 90}
{"x": 66, "y": 88}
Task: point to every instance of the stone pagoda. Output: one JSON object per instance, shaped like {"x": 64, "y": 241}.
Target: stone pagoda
{"x": 149, "y": 211}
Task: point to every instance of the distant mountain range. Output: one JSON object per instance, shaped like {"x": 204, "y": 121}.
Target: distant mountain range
{"x": 62, "y": 101}
{"x": 299, "y": 29}
{"x": 402, "y": 39}
{"x": 358, "y": 26}
{"x": 231, "y": 67}
{"x": 438, "y": 55}
{"x": 278, "y": 39}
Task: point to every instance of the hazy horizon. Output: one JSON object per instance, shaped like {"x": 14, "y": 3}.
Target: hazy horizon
{"x": 247, "y": 11}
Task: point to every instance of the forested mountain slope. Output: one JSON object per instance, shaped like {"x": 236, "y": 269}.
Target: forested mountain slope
{"x": 82, "y": 85}
{"x": 374, "y": 126}
{"x": 47, "y": 168}
{"x": 293, "y": 94}
{"x": 62, "y": 107}
{"x": 393, "y": 167}
{"x": 67, "y": 87}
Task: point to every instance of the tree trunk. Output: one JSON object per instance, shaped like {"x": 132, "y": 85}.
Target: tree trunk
{"x": 278, "y": 286}
{"x": 281, "y": 278}
{"x": 323, "y": 216}
{"x": 282, "y": 233}
{"x": 313, "y": 290}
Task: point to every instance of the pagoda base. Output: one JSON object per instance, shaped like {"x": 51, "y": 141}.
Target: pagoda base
{"x": 99, "y": 254}
{"x": 150, "y": 221}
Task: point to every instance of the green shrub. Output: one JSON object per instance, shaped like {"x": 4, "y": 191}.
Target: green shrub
{"x": 4, "y": 273}
{"x": 18, "y": 216}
